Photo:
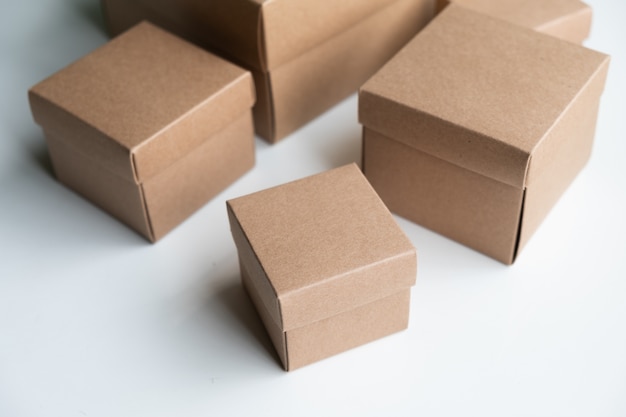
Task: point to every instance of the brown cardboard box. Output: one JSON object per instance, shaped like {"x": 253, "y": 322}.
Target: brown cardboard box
{"x": 324, "y": 263}
{"x": 566, "y": 19}
{"x": 306, "y": 56}
{"x": 148, "y": 127}
{"x": 477, "y": 126}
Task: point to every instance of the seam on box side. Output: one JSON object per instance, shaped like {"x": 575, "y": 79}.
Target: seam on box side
{"x": 286, "y": 352}
{"x": 144, "y": 206}
{"x": 261, "y": 44}
{"x": 363, "y": 151}
{"x": 272, "y": 112}
{"x": 518, "y": 238}
{"x": 245, "y": 236}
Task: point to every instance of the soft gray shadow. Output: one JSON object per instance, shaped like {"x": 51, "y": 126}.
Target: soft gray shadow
{"x": 90, "y": 10}
{"x": 345, "y": 150}
{"x": 236, "y": 302}
{"x": 41, "y": 158}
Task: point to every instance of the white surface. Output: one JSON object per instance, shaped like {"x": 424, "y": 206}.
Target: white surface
{"x": 94, "y": 321}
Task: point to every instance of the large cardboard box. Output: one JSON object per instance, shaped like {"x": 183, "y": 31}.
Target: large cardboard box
{"x": 566, "y": 19}
{"x": 305, "y": 55}
{"x": 477, "y": 127}
{"x": 148, "y": 127}
{"x": 324, "y": 263}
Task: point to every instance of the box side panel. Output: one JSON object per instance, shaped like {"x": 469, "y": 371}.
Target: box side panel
{"x": 277, "y": 336}
{"x": 192, "y": 181}
{"x": 229, "y": 27}
{"x": 472, "y": 209}
{"x": 116, "y": 195}
{"x": 345, "y": 331}
{"x": 263, "y": 108}
{"x": 291, "y": 28}
{"x": 85, "y": 139}
{"x": 192, "y": 130}
{"x": 343, "y": 293}
{"x": 308, "y": 85}
{"x": 561, "y": 155}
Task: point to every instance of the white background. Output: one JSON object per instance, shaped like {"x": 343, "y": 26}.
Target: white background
{"x": 94, "y": 321}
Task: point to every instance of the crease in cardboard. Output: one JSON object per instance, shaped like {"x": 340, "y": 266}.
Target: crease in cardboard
{"x": 146, "y": 213}
{"x": 518, "y": 238}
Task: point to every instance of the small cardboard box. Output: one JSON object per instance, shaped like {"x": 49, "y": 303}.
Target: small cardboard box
{"x": 305, "y": 55}
{"x": 566, "y": 19}
{"x": 148, "y": 127}
{"x": 477, "y": 127}
{"x": 324, "y": 263}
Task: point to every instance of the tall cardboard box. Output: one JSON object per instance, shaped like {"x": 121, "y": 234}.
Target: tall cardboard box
{"x": 305, "y": 55}
{"x": 477, "y": 127}
{"x": 149, "y": 127}
{"x": 566, "y": 19}
{"x": 324, "y": 263}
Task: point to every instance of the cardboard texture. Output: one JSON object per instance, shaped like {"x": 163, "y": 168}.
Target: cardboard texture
{"x": 324, "y": 263}
{"x": 566, "y": 19}
{"x": 148, "y": 127}
{"x": 477, "y": 126}
{"x": 306, "y": 56}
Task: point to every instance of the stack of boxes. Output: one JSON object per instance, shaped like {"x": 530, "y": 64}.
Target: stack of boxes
{"x": 474, "y": 129}
{"x": 305, "y": 55}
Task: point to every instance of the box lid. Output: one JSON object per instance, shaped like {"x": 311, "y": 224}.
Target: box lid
{"x": 259, "y": 34}
{"x": 142, "y": 101}
{"x": 542, "y": 15}
{"x": 322, "y": 245}
{"x": 479, "y": 92}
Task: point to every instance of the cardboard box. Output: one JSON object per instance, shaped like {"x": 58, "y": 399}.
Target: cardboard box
{"x": 566, "y": 19}
{"x": 324, "y": 263}
{"x": 477, "y": 127}
{"x": 306, "y": 56}
{"x": 148, "y": 127}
